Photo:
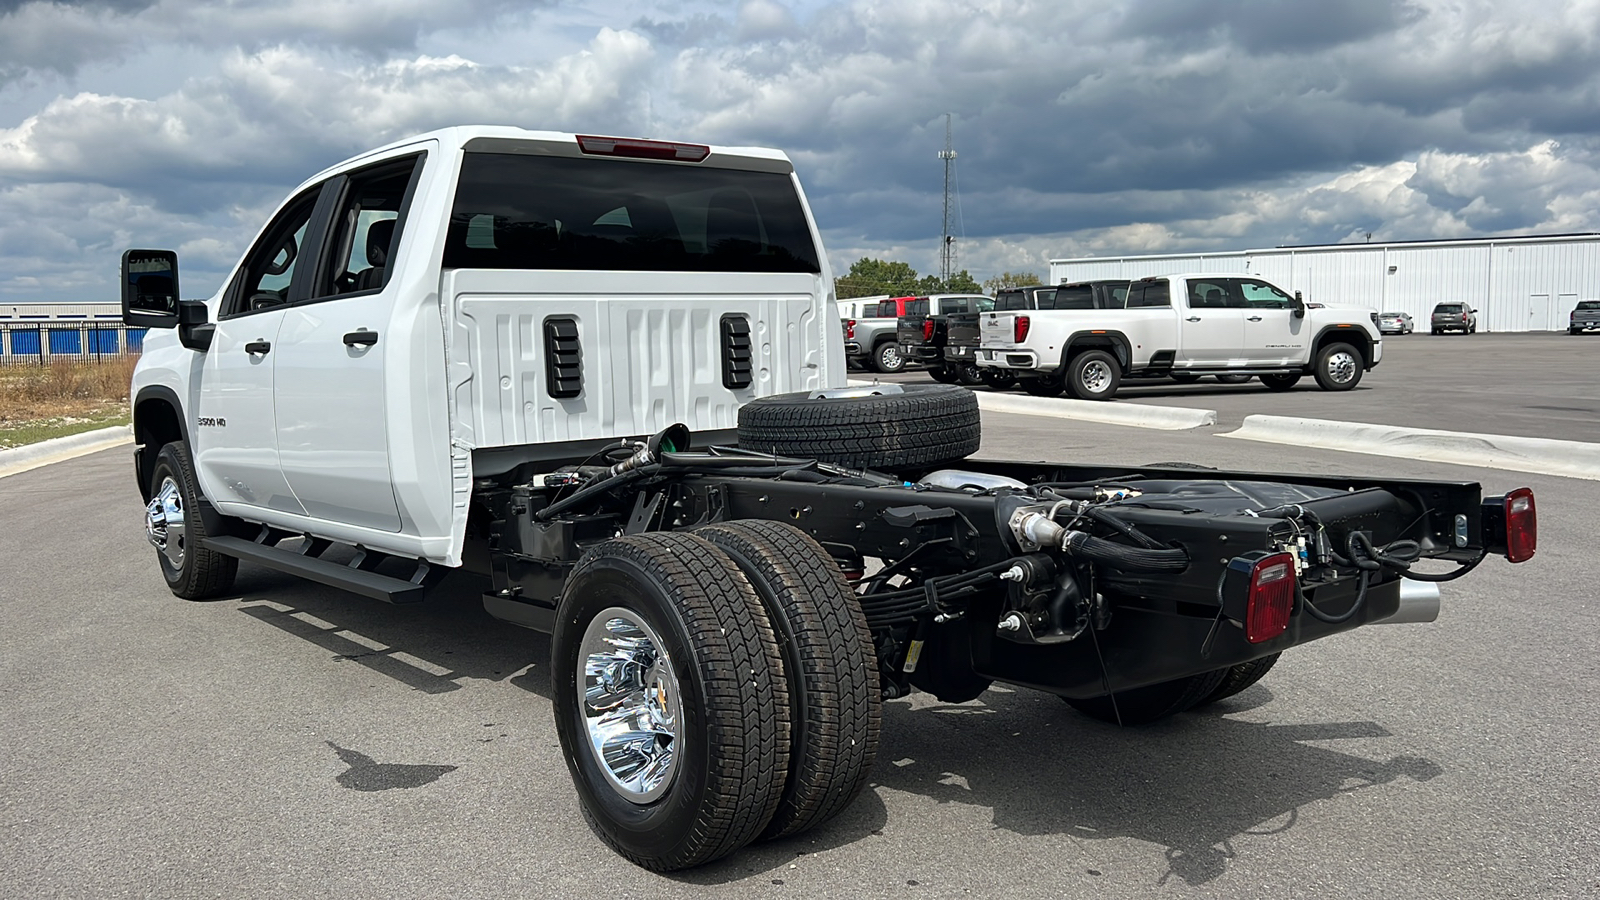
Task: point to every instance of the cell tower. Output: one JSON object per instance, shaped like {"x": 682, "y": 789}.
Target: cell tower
{"x": 947, "y": 248}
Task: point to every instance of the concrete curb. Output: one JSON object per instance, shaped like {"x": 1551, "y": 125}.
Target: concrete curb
{"x": 33, "y": 456}
{"x": 1542, "y": 456}
{"x": 1137, "y": 415}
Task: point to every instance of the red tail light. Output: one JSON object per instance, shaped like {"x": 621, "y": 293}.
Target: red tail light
{"x": 1019, "y": 328}
{"x": 1258, "y": 591}
{"x": 610, "y": 146}
{"x": 1522, "y": 525}
{"x": 849, "y": 329}
{"x": 927, "y": 329}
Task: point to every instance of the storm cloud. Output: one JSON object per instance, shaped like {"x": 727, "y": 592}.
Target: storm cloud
{"x": 1081, "y": 127}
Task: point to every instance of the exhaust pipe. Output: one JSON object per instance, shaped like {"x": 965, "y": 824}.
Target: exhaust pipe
{"x": 1419, "y": 602}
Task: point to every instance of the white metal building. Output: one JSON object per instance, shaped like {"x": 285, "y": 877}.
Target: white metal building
{"x": 1515, "y": 283}
{"x": 35, "y": 312}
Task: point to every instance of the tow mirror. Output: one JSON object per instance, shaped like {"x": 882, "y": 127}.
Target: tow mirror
{"x": 150, "y": 289}
{"x": 1299, "y": 306}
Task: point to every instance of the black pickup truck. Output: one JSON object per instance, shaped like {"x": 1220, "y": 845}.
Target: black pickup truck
{"x": 922, "y": 332}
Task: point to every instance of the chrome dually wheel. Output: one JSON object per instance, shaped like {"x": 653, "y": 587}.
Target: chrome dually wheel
{"x": 164, "y": 522}
{"x": 630, "y": 699}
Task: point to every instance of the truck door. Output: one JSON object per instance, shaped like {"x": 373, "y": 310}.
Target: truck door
{"x": 1272, "y": 335}
{"x": 1213, "y": 325}
{"x": 235, "y": 432}
{"x": 331, "y": 353}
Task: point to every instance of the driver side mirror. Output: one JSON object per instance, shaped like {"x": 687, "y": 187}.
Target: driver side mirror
{"x": 1299, "y": 306}
{"x": 150, "y": 289}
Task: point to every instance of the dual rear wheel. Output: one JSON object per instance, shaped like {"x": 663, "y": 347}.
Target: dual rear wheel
{"x": 712, "y": 688}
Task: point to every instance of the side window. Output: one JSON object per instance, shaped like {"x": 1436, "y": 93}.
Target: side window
{"x": 267, "y": 278}
{"x": 1116, "y": 297}
{"x": 1260, "y": 295}
{"x": 1075, "y": 296}
{"x": 1044, "y": 298}
{"x": 364, "y": 229}
{"x": 1213, "y": 293}
{"x": 1149, "y": 293}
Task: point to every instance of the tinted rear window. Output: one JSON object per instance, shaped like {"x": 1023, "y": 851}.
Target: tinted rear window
{"x": 1149, "y": 293}
{"x": 1073, "y": 296}
{"x": 1009, "y": 300}
{"x": 1589, "y": 304}
{"x": 1448, "y": 308}
{"x": 532, "y": 212}
{"x": 918, "y": 307}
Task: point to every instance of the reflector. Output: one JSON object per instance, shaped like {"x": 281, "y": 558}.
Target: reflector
{"x": 1271, "y": 598}
{"x": 1522, "y": 525}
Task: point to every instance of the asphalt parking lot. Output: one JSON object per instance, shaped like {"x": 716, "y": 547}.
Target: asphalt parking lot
{"x": 1530, "y": 385}
{"x": 290, "y": 740}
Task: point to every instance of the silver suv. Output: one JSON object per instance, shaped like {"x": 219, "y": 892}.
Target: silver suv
{"x": 1454, "y": 317}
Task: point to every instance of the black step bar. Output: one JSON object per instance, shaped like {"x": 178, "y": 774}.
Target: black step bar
{"x": 312, "y": 568}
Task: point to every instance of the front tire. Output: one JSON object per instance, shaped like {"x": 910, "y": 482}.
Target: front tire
{"x": 835, "y": 707}
{"x": 671, "y": 700}
{"x": 888, "y": 359}
{"x": 1338, "y": 368}
{"x": 1280, "y": 383}
{"x": 1093, "y": 375}
{"x": 175, "y": 527}
{"x": 1041, "y": 387}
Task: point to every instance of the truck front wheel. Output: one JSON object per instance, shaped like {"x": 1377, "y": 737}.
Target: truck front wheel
{"x": 173, "y": 524}
{"x": 1338, "y": 368}
{"x": 835, "y": 706}
{"x": 1093, "y": 375}
{"x": 671, "y": 700}
{"x": 1280, "y": 382}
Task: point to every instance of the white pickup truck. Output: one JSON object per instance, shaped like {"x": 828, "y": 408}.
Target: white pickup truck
{"x": 1184, "y": 326}
{"x": 605, "y": 376}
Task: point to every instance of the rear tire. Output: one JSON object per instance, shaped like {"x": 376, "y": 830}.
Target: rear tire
{"x": 1237, "y": 678}
{"x": 1339, "y": 367}
{"x": 1041, "y": 387}
{"x": 1234, "y": 379}
{"x": 998, "y": 379}
{"x": 1093, "y": 375}
{"x": 1184, "y": 377}
{"x": 968, "y": 374}
{"x": 1142, "y": 706}
{"x": 1280, "y": 382}
{"x": 671, "y": 701}
{"x": 835, "y": 706}
{"x": 922, "y": 425}
{"x": 888, "y": 359}
{"x": 192, "y": 571}
{"x": 944, "y": 374}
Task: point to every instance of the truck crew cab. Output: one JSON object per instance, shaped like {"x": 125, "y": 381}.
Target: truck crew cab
{"x": 1185, "y": 326}
{"x": 607, "y": 374}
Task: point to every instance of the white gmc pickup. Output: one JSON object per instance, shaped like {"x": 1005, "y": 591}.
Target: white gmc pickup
{"x": 1184, "y": 326}
{"x": 606, "y": 375}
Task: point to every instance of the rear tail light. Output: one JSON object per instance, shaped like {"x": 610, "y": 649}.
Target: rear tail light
{"x": 927, "y": 329}
{"x": 1259, "y": 592}
{"x": 638, "y": 149}
{"x": 1019, "y": 328}
{"x": 850, "y": 329}
{"x": 1522, "y": 525}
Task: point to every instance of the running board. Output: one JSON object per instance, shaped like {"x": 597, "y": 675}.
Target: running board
{"x": 312, "y": 568}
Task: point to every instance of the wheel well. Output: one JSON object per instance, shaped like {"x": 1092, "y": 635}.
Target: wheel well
{"x": 1355, "y": 337}
{"x": 1115, "y": 344}
{"x": 155, "y": 424}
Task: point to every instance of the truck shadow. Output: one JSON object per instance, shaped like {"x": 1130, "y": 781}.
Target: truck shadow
{"x": 1192, "y": 784}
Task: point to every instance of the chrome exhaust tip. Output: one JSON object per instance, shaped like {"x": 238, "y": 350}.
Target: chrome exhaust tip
{"x": 1419, "y": 602}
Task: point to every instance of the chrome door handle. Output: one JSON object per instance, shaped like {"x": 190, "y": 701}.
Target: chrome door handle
{"x": 1192, "y": 319}
{"x": 1253, "y": 319}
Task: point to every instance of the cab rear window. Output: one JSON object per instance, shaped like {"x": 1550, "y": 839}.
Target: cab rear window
{"x": 514, "y": 211}
{"x": 1589, "y": 304}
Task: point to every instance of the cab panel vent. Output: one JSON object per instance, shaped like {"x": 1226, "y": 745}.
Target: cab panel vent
{"x": 563, "y": 357}
{"x": 736, "y": 352}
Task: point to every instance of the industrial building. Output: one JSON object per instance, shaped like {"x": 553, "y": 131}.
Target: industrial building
{"x": 1516, "y": 283}
{"x": 40, "y": 332}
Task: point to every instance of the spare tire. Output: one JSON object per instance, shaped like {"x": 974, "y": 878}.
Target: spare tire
{"x": 882, "y": 426}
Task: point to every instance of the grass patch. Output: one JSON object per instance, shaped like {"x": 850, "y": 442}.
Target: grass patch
{"x": 62, "y": 398}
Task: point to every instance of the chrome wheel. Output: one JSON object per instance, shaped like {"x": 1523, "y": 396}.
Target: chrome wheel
{"x": 629, "y": 701}
{"x": 1341, "y": 367}
{"x": 1096, "y": 376}
{"x": 164, "y": 522}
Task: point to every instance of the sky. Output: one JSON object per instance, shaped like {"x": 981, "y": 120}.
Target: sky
{"x": 1082, "y": 127}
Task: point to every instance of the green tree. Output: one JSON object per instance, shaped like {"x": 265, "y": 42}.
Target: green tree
{"x": 869, "y": 277}
{"x": 960, "y": 283}
{"x": 1010, "y": 279}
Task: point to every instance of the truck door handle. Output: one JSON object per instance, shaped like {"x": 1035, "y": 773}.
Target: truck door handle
{"x": 1253, "y": 319}
{"x": 363, "y": 337}
{"x": 255, "y": 348}
{"x": 1192, "y": 319}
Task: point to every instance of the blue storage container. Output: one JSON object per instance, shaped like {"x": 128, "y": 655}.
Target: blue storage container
{"x": 103, "y": 340}
{"x": 25, "y": 343}
{"x": 66, "y": 342}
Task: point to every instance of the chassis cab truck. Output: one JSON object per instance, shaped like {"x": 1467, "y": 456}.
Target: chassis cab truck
{"x": 606, "y": 375}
